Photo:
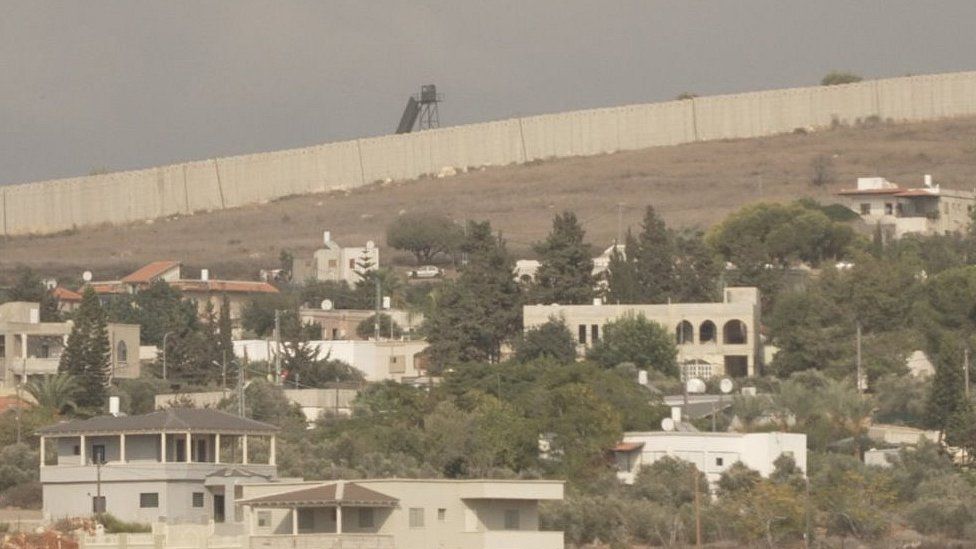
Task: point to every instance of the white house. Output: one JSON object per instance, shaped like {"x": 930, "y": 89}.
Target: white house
{"x": 712, "y": 453}
{"x": 334, "y": 262}
{"x": 929, "y": 209}
{"x": 713, "y": 338}
{"x": 395, "y": 360}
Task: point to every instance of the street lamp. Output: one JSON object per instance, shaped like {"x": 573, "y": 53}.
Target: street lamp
{"x": 165, "y": 337}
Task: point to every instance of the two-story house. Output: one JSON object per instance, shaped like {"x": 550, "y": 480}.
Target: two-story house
{"x": 175, "y": 465}
{"x": 337, "y": 263}
{"x": 29, "y": 347}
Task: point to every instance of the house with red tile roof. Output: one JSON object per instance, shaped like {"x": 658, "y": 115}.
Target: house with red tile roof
{"x": 67, "y": 300}
{"x": 201, "y": 290}
{"x": 898, "y": 210}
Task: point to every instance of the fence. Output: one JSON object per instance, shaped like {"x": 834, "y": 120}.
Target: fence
{"x": 58, "y": 205}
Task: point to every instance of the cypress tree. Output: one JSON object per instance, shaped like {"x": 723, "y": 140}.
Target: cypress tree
{"x": 654, "y": 257}
{"x": 87, "y": 353}
{"x": 565, "y": 274}
{"x": 622, "y": 285}
{"x": 947, "y": 395}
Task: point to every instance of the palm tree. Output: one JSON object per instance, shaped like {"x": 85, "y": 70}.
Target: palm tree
{"x": 57, "y": 392}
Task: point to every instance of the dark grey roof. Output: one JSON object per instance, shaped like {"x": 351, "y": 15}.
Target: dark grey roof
{"x": 236, "y": 472}
{"x": 194, "y": 420}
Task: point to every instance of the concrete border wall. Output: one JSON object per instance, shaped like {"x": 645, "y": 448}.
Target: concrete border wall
{"x": 59, "y": 205}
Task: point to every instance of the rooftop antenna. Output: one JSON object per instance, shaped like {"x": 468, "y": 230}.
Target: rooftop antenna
{"x": 421, "y": 110}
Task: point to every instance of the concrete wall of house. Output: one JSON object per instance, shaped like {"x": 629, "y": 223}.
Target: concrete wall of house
{"x": 739, "y": 304}
{"x": 57, "y": 205}
{"x": 124, "y": 341}
{"x": 122, "y": 499}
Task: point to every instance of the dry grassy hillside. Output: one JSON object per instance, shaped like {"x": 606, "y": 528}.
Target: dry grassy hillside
{"x": 691, "y": 185}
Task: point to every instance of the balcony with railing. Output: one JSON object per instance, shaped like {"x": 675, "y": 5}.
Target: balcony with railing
{"x": 326, "y": 541}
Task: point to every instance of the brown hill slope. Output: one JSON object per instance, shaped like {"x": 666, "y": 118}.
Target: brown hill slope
{"x": 691, "y": 185}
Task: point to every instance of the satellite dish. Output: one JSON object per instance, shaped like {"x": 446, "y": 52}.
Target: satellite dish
{"x": 695, "y": 385}
{"x": 326, "y": 305}
{"x": 86, "y": 276}
{"x": 667, "y": 424}
{"x": 726, "y": 385}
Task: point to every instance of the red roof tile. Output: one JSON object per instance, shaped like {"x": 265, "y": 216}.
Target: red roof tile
{"x": 628, "y": 446}
{"x": 150, "y": 272}
{"x": 109, "y": 287}
{"x": 64, "y": 294}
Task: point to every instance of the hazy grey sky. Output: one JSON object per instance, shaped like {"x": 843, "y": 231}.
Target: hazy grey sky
{"x": 127, "y": 84}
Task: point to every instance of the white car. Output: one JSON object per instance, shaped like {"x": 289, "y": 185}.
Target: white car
{"x": 427, "y": 271}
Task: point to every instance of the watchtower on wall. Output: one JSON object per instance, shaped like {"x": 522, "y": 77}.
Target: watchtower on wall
{"x": 421, "y": 110}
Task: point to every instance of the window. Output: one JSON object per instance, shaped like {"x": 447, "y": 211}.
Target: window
{"x": 149, "y": 500}
{"x": 201, "y": 450}
{"x": 582, "y": 334}
{"x": 442, "y": 515}
{"x": 121, "y": 352}
{"x": 333, "y": 263}
{"x": 595, "y": 333}
{"x": 98, "y": 453}
{"x": 180, "y": 449}
{"x": 98, "y": 504}
{"x": 76, "y": 451}
{"x": 366, "y": 518}
{"x": 264, "y": 519}
{"x": 3, "y": 346}
{"x": 719, "y": 462}
{"x": 511, "y": 519}
{"x": 889, "y": 209}
{"x": 865, "y": 208}
{"x": 416, "y": 517}
{"x": 306, "y": 520}
{"x": 198, "y": 499}
{"x": 352, "y": 263}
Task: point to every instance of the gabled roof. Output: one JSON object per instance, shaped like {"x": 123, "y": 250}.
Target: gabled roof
{"x": 150, "y": 272}
{"x": 194, "y": 420}
{"x": 345, "y": 493}
{"x": 63, "y": 294}
{"x": 224, "y": 286}
{"x": 628, "y": 446}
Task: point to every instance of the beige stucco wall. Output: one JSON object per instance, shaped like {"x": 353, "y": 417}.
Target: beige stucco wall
{"x": 50, "y": 206}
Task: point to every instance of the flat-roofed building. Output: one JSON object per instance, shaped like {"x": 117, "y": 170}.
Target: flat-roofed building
{"x": 721, "y": 337}
{"x": 31, "y": 348}
{"x": 389, "y": 513}
{"x": 711, "y": 453}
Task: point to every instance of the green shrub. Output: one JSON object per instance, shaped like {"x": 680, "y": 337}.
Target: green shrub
{"x": 116, "y": 526}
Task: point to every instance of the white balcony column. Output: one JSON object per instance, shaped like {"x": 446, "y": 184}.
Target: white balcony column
{"x": 338, "y": 519}
{"x": 162, "y": 446}
{"x": 272, "y": 460}
{"x": 294, "y": 521}
{"x": 23, "y": 346}
{"x": 189, "y": 448}
{"x": 244, "y": 449}
{"x": 122, "y": 447}
{"x": 42, "y": 451}
{"x": 84, "y": 451}
{"x": 217, "y": 448}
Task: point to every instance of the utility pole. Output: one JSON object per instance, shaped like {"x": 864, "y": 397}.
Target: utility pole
{"x": 20, "y": 402}
{"x": 858, "y": 381}
{"x": 376, "y": 316}
{"x": 620, "y": 221}
{"x": 165, "y": 338}
{"x": 98, "y": 485}
{"x": 277, "y": 336}
{"x": 965, "y": 369}
{"x": 240, "y": 389}
{"x": 223, "y": 371}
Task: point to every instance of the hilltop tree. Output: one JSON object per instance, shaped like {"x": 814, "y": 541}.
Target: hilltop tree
{"x": 479, "y": 311}
{"x": 622, "y": 284}
{"x": 86, "y": 355}
{"x": 565, "y": 273}
{"x": 424, "y": 235}
{"x": 28, "y": 286}
{"x": 834, "y": 78}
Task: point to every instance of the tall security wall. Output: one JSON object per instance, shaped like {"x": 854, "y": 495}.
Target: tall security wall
{"x": 58, "y": 205}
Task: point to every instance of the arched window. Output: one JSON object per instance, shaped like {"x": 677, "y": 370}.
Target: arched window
{"x": 685, "y": 333}
{"x": 706, "y": 332}
{"x": 734, "y": 332}
{"x": 121, "y": 352}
